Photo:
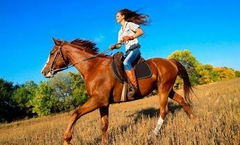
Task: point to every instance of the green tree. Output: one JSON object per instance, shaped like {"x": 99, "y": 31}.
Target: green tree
{"x": 200, "y": 74}
{"x": 237, "y": 73}
{"x": 7, "y": 105}
{"x": 61, "y": 84}
{"x": 190, "y": 63}
{"x": 214, "y": 75}
{"x": 63, "y": 92}
{"x": 203, "y": 75}
{"x": 23, "y": 95}
{"x": 43, "y": 100}
{"x": 79, "y": 94}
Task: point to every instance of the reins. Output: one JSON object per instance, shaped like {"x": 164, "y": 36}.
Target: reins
{"x": 94, "y": 56}
{"x": 72, "y": 65}
{"x": 102, "y": 53}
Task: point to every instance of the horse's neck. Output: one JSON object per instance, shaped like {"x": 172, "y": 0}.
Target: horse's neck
{"x": 83, "y": 65}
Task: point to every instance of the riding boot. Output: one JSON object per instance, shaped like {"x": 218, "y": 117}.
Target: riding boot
{"x": 132, "y": 77}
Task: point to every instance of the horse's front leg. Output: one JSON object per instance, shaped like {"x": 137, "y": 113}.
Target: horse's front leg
{"x": 164, "y": 90}
{"x": 104, "y": 111}
{"x": 89, "y": 106}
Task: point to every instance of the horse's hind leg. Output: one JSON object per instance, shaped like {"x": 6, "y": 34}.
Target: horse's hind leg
{"x": 179, "y": 99}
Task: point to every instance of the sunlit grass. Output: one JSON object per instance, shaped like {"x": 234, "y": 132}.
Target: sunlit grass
{"x": 217, "y": 121}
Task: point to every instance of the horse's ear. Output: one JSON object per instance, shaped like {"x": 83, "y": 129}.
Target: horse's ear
{"x": 56, "y": 42}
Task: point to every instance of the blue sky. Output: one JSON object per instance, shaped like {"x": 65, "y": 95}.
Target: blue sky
{"x": 209, "y": 29}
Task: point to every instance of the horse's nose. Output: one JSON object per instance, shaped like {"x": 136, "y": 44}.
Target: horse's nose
{"x": 43, "y": 71}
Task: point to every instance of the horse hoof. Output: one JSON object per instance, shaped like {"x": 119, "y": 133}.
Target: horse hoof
{"x": 66, "y": 143}
{"x": 151, "y": 137}
{"x": 191, "y": 116}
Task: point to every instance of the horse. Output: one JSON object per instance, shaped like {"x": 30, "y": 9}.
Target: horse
{"x": 104, "y": 88}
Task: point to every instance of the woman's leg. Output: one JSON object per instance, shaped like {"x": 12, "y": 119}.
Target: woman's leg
{"x": 128, "y": 66}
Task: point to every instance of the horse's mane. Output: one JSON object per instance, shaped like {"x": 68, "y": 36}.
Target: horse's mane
{"x": 86, "y": 44}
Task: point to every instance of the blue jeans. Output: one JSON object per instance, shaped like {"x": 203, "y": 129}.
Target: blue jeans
{"x": 131, "y": 56}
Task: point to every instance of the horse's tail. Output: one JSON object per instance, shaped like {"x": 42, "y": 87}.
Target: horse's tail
{"x": 182, "y": 73}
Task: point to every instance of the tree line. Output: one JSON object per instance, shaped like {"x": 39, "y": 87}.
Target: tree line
{"x": 200, "y": 74}
{"x": 66, "y": 90}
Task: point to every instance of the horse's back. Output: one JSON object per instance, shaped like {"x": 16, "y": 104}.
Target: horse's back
{"x": 162, "y": 65}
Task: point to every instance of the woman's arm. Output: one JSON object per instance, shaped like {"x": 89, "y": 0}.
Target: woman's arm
{"x": 138, "y": 33}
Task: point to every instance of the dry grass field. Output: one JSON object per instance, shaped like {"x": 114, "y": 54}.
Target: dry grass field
{"x": 217, "y": 121}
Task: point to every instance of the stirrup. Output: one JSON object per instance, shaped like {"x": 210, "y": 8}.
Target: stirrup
{"x": 132, "y": 91}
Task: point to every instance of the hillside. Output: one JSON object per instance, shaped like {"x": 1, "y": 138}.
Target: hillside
{"x": 216, "y": 121}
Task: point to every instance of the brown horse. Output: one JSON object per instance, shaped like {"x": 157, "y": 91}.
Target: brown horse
{"x": 104, "y": 88}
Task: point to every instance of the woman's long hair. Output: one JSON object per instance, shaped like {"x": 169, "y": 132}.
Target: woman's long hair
{"x": 135, "y": 17}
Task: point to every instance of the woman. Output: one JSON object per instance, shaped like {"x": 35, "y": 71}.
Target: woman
{"x": 128, "y": 34}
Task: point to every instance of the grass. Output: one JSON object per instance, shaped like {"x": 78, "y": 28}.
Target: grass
{"x": 217, "y": 121}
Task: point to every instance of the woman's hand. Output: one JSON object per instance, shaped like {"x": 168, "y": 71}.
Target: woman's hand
{"x": 112, "y": 47}
{"x": 115, "y": 46}
{"x": 138, "y": 33}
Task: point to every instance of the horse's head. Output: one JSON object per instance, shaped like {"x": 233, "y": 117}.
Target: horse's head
{"x": 56, "y": 61}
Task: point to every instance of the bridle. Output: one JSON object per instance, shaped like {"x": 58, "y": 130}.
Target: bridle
{"x": 59, "y": 53}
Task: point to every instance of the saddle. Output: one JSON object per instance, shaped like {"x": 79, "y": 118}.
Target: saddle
{"x": 141, "y": 68}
